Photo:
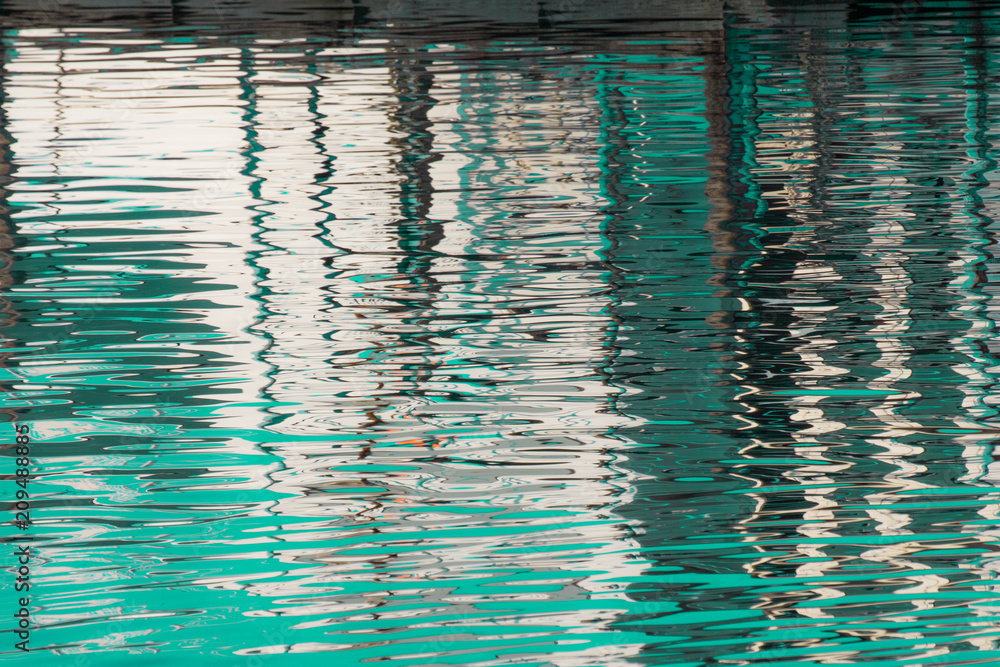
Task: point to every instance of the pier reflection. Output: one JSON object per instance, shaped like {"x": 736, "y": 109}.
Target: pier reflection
{"x": 854, "y": 265}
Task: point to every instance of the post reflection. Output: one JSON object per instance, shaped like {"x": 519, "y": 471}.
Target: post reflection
{"x": 443, "y": 374}
{"x": 857, "y": 341}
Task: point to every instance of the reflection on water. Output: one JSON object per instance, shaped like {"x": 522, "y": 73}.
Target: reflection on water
{"x": 573, "y": 333}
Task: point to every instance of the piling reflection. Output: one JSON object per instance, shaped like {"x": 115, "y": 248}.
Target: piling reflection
{"x": 860, "y": 357}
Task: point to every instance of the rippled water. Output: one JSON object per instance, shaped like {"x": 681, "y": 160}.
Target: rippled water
{"x": 441, "y": 333}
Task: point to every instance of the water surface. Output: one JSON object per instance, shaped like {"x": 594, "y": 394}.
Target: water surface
{"x": 559, "y": 334}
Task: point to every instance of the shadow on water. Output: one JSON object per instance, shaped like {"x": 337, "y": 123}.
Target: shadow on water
{"x": 856, "y": 228}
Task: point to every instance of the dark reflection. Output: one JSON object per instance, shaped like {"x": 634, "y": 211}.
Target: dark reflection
{"x": 847, "y": 353}
{"x": 418, "y": 232}
{"x": 8, "y": 313}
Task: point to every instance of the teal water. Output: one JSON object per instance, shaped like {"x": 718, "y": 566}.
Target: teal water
{"x": 549, "y": 334}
